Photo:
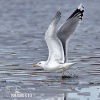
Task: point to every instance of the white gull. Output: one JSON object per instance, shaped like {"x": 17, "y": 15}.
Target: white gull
{"x": 57, "y": 41}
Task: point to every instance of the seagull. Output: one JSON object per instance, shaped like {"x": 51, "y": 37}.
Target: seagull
{"x": 57, "y": 41}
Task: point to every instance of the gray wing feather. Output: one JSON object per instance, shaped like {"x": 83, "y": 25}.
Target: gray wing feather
{"x": 69, "y": 27}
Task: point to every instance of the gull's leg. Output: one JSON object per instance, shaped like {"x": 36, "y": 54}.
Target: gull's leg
{"x": 62, "y": 72}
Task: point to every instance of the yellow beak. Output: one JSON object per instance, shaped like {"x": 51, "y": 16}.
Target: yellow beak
{"x": 35, "y": 65}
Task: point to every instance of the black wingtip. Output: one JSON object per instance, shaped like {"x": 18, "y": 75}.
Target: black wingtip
{"x": 78, "y": 12}
{"x": 58, "y": 14}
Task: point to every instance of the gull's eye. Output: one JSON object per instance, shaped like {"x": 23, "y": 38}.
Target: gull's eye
{"x": 39, "y": 63}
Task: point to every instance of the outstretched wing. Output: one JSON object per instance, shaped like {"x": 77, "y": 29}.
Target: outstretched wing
{"x": 54, "y": 44}
{"x": 69, "y": 27}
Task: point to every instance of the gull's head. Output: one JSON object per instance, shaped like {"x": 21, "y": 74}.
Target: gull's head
{"x": 41, "y": 64}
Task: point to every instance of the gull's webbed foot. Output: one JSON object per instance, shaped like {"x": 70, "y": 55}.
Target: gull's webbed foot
{"x": 65, "y": 76}
{"x": 69, "y": 75}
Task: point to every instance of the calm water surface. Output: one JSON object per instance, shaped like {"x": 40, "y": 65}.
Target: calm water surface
{"x": 22, "y": 27}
